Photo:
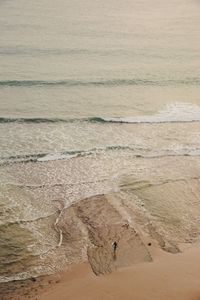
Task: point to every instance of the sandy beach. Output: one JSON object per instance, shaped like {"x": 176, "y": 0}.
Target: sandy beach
{"x": 170, "y": 277}
{"x": 153, "y": 259}
{"x": 174, "y": 277}
{"x": 154, "y": 219}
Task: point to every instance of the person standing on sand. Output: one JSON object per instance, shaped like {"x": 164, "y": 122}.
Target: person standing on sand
{"x": 114, "y": 245}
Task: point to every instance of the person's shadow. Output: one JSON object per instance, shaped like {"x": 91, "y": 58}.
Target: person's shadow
{"x": 114, "y": 256}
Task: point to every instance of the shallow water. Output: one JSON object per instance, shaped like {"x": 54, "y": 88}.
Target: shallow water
{"x": 94, "y": 88}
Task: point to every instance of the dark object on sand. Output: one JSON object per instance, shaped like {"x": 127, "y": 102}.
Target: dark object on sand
{"x": 33, "y": 279}
{"x": 115, "y": 245}
{"x": 149, "y": 244}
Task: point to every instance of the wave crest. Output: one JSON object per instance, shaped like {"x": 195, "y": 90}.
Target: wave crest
{"x": 110, "y": 82}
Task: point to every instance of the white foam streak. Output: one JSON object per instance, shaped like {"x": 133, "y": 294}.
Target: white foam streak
{"x": 178, "y": 112}
{"x": 56, "y": 156}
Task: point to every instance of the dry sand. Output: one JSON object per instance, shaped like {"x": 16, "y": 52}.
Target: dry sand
{"x": 169, "y": 277}
{"x": 172, "y": 277}
{"x": 156, "y": 226}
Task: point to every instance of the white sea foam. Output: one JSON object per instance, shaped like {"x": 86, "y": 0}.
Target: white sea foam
{"x": 178, "y": 112}
{"x": 56, "y": 156}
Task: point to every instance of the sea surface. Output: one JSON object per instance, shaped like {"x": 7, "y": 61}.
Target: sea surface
{"x": 87, "y": 89}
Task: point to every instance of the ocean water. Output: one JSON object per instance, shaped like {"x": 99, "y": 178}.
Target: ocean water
{"x": 87, "y": 89}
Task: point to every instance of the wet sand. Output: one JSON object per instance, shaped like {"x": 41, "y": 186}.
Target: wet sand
{"x": 171, "y": 277}
{"x": 149, "y": 263}
{"x": 174, "y": 277}
{"x": 155, "y": 221}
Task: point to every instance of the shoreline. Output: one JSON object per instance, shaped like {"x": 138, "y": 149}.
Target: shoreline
{"x": 169, "y": 276}
{"x": 156, "y": 258}
{"x": 152, "y": 215}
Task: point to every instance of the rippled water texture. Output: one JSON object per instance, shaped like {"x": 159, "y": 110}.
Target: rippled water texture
{"x": 96, "y": 97}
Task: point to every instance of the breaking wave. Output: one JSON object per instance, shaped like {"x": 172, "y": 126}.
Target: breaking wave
{"x": 109, "y": 83}
{"x": 179, "y": 112}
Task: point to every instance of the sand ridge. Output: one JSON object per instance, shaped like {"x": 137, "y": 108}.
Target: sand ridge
{"x": 93, "y": 225}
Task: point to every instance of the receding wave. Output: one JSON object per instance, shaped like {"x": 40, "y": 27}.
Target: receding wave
{"x": 111, "y": 82}
{"x": 40, "y": 157}
{"x": 44, "y": 157}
